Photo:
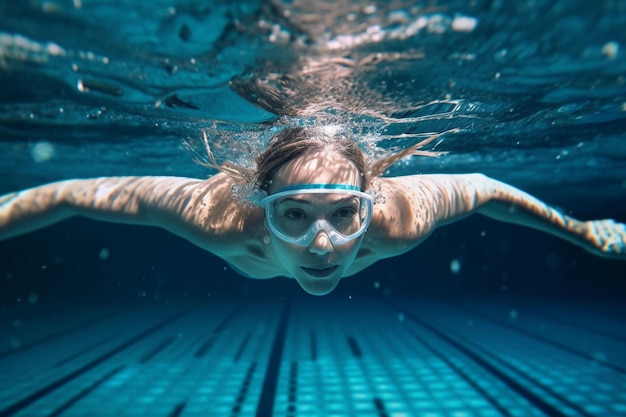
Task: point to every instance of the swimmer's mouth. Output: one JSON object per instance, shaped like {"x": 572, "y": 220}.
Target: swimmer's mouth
{"x": 320, "y": 273}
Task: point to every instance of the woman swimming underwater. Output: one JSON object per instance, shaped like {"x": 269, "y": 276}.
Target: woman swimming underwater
{"x": 326, "y": 214}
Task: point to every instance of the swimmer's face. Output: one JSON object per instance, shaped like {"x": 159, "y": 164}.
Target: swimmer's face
{"x": 319, "y": 266}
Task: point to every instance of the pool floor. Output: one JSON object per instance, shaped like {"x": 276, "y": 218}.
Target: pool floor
{"x": 460, "y": 357}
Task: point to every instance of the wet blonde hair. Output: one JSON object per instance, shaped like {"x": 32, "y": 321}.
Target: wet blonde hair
{"x": 293, "y": 142}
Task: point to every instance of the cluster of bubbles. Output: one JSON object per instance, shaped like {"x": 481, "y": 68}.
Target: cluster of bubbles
{"x": 241, "y": 143}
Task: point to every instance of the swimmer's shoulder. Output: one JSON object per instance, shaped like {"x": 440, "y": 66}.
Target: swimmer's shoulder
{"x": 215, "y": 215}
{"x": 408, "y": 208}
{"x": 400, "y": 219}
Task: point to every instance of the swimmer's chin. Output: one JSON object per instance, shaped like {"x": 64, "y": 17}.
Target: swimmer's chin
{"x": 318, "y": 292}
{"x": 318, "y": 287}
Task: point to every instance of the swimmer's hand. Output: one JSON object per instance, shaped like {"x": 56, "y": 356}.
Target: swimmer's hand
{"x": 607, "y": 238}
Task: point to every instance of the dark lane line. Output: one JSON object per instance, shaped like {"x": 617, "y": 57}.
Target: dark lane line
{"x": 540, "y": 338}
{"x": 208, "y": 344}
{"x": 47, "y": 389}
{"x": 268, "y": 392}
{"x": 516, "y": 386}
{"x": 158, "y": 348}
{"x": 69, "y": 403}
{"x": 493, "y": 401}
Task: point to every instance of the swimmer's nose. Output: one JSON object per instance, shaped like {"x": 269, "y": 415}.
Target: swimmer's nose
{"x": 321, "y": 244}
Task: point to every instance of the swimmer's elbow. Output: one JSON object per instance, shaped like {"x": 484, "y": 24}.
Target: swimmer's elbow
{"x": 479, "y": 191}
{"x": 108, "y": 199}
{"x": 462, "y": 195}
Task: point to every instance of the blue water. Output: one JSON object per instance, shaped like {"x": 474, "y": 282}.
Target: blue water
{"x": 532, "y": 93}
{"x": 537, "y": 89}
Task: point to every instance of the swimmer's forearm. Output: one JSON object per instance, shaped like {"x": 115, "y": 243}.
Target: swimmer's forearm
{"x": 506, "y": 203}
{"x": 28, "y": 210}
{"x": 441, "y": 199}
{"x": 115, "y": 199}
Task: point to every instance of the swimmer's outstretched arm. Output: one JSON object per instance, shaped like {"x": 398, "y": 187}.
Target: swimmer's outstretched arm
{"x": 191, "y": 208}
{"x": 455, "y": 196}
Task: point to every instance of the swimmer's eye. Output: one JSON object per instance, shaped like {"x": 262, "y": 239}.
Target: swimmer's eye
{"x": 294, "y": 214}
{"x": 345, "y": 212}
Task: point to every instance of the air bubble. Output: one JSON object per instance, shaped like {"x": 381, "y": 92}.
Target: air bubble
{"x": 610, "y": 50}
{"x": 455, "y": 266}
{"x": 370, "y": 9}
{"x": 464, "y": 23}
{"x": 42, "y": 152}
{"x": 104, "y": 254}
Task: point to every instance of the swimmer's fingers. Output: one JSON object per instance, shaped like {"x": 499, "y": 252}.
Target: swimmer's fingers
{"x": 607, "y": 237}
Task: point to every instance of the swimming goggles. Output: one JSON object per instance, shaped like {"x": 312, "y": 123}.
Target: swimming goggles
{"x": 297, "y": 213}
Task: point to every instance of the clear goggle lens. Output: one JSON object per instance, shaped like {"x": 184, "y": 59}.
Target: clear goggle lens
{"x": 296, "y": 214}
